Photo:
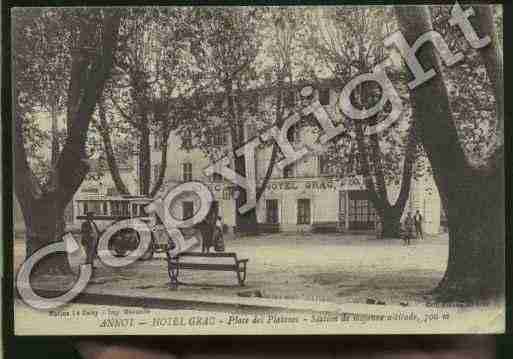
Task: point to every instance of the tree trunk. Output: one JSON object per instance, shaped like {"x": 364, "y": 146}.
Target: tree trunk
{"x": 475, "y": 268}
{"x": 473, "y": 199}
{"x": 144, "y": 160}
{"x": 43, "y": 211}
{"x": 113, "y": 165}
{"x": 45, "y": 224}
{"x": 390, "y": 215}
{"x": 246, "y": 222}
{"x": 159, "y": 181}
{"x": 393, "y": 214}
{"x": 391, "y": 223}
{"x": 274, "y": 154}
{"x": 109, "y": 151}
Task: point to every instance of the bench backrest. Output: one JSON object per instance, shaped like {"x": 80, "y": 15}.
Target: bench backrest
{"x": 209, "y": 255}
{"x": 206, "y": 259}
{"x": 216, "y": 257}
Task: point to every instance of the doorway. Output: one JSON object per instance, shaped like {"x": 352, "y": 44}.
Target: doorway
{"x": 361, "y": 213}
{"x": 271, "y": 211}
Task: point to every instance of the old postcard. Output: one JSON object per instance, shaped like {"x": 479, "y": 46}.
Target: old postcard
{"x": 258, "y": 170}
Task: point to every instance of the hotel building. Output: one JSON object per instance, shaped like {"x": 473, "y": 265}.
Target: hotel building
{"x": 302, "y": 197}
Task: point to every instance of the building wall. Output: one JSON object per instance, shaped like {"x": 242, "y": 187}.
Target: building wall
{"x": 287, "y": 191}
{"x": 329, "y": 198}
{"x": 177, "y": 157}
{"x": 425, "y": 198}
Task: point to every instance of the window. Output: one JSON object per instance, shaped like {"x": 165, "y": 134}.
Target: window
{"x": 372, "y": 166}
{"x": 98, "y": 208}
{"x": 324, "y": 96}
{"x": 253, "y": 103}
{"x": 288, "y": 171}
{"x": 355, "y": 164}
{"x": 362, "y": 215}
{"x": 125, "y": 209}
{"x": 358, "y": 166}
{"x": 303, "y": 211}
{"x": 93, "y": 206}
{"x": 227, "y": 194}
{"x": 142, "y": 210}
{"x": 157, "y": 141}
{"x": 105, "y": 208}
{"x": 115, "y": 209}
{"x": 156, "y": 171}
{"x": 187, "y": 209}
{"x": 187, "y": 172}
{"x": 216, "y": 177}
{"x": 119, "y": 208}
{"x": 187, "y": 141}
{"x": 219, "y": 138}
{"x": 324, "y": 166}
{"x": 112, "y": 191}
{"x": 251, "y": 131}
{"x": 352, "y": 159}
{"x": 134, "y": 210}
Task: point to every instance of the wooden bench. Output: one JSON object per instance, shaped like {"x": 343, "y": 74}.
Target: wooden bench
{"x": 215, "y": 262}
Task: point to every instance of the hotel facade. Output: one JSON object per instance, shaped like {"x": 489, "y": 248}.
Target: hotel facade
{"x": 303, "y": 197}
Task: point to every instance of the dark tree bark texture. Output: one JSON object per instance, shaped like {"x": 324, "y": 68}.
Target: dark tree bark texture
{"x": 109, "y": 151}
{"x": 473, "y": 198}
{"x": 43, "y": 210}
{"x": 390, "y": 214}
{"x": 144, "y": 159}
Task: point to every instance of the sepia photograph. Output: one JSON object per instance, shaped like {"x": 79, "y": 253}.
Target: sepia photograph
{"x": 198, "y": 170}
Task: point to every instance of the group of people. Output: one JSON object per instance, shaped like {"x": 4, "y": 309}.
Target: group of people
{"x": 213, "y": 235}
{"x": 411, "y": 226}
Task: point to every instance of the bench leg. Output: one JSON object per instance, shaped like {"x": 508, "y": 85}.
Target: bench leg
{"x": 241, "y": 273}
{"x": 173, "y": 275}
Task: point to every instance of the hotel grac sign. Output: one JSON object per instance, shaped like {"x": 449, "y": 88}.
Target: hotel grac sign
{"x": 328, "y": 184}
{"x": 318, "y": 185}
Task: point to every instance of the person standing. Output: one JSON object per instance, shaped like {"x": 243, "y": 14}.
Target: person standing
{"x": 418, "y": 224}
{"x": 408, "y": 228}
{"x": 378, "y": 228}
{"x": 218, "y": 237}
{"x": 90, "y": 234}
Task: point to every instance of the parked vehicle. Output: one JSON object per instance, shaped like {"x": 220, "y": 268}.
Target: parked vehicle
{"x": 110, "y": 210}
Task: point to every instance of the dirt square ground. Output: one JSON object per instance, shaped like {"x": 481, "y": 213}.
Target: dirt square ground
{"x": 334, "y": 268}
